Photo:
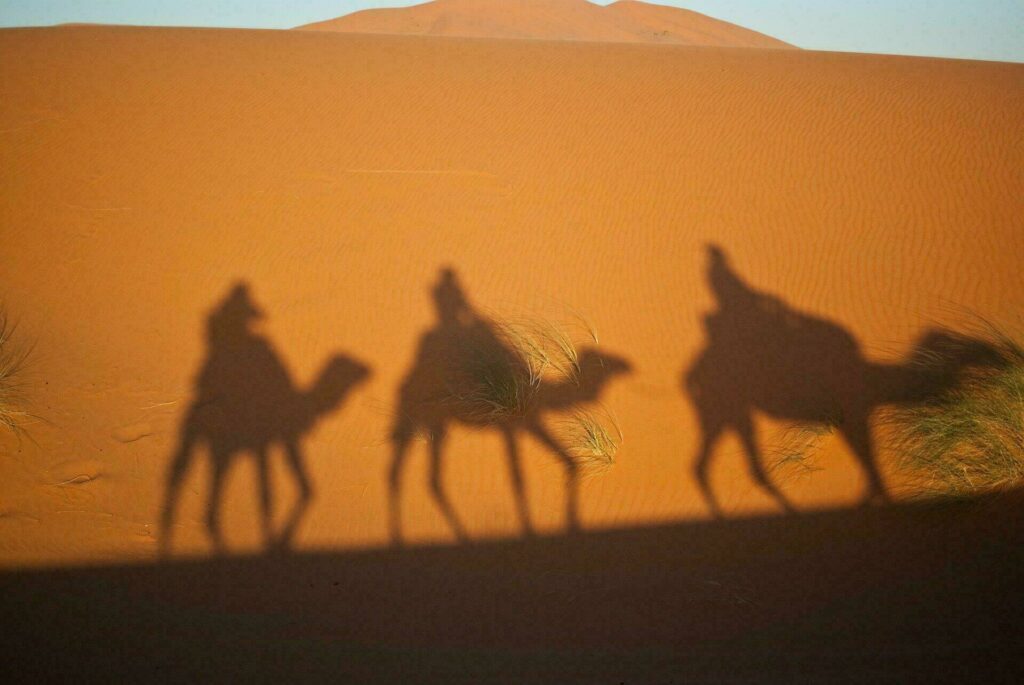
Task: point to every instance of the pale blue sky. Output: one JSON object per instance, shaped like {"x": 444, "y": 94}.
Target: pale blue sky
{"x": 973, "y": 29}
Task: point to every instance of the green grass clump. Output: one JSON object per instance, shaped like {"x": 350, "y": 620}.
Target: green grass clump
{"x": 589, "y": 442}
{"x": 12, "y": 360}
{"x": 970, "y": 438}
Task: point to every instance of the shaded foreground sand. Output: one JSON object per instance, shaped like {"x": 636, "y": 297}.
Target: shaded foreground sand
{"x": 146, "y": 172}
{"x": 897, "y": 594}
{"x": 619, "y": 22}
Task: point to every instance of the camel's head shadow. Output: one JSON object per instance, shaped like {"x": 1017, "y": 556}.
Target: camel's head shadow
{"x": 338, "y": 377}
{"x": 599, "y": 363}
{"x": 596, "y": 368}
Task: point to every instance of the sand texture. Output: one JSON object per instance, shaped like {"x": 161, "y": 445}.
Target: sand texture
{"x": 225, "y": 244}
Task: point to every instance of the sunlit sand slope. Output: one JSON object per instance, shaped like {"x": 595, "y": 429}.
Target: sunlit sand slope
{"x": 621, "y": 22}
{"x": 855, "y": 202}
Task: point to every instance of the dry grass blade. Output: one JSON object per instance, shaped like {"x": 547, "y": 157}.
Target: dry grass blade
{"x": 794, "y": 456}
{"x": 970, "y": 438}
{"x": 589, "y": 442}
{"x": 499, "y": 373}
{"x": 559, "y": 349}
{"x": 493, "y": 373}
{"x": 552, "y": 345}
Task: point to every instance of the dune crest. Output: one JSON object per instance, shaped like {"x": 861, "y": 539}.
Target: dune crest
{"x": 626, "y": 21}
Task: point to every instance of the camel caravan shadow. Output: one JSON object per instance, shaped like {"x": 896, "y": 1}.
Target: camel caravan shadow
{"x": 246, "y": 402}
{"x": 467, "y": 371}
{"x": 762, "y": 355}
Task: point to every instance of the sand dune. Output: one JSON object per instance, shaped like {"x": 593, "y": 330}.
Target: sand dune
{"x": 626, "y": 21}
{"x": 148, "y": 172}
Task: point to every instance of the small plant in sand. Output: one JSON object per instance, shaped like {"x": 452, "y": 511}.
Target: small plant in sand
{"x": 498, "y": 389}
{"x": 794, "y": 457}
{"x": 970, "y": 438}
{"x": 589, "y": 442}
{"x": 546, "y": 346}
{"x": 12, "y": 360}
{"x": 495, "y": 376}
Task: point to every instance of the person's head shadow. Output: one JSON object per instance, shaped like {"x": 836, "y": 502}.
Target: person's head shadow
{"x": 763, "y": 356}
{"x": 468, "y": 371}
{"x": 450, "y": 301}
{"x": 246, "y": 402}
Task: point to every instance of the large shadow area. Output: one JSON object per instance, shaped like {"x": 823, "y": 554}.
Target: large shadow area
{"x": 467, "y": 371}
{"x": 893, "y": 594}
{"x": 762, "y": 355}
{"x": 246, "y": 403}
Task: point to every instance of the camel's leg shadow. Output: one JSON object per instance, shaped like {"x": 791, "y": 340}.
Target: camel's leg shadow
{"x": 401, "y": 439}
{"x": 518, "y": 484}
{"x": 745, "y": 429}
{"x": 176, "y": 475}
{"x": 709, "y": 437}
{"x": 296, "y": 462}
{"x": 572, "y": 523}
{"x": 218, "y": 468}
{"x": 437, "y": 438}
{"x": 857, "y": 434}
{"x": 266, "y": 498}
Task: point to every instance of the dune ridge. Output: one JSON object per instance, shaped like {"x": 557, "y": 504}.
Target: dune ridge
{"x": 626, "y": 21}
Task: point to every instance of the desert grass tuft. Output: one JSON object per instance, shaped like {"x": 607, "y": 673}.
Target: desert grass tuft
{"x": 12, "y": 361}
{"x": 494, "y": 372}
{"x": 493, "y": 389}
{"x": 564, "y": 355}
{"x": 501, "y": 365}
{"x": 970, "y": 438}
{"x": 589, "y": 441}
{"x": 547, "y": 346}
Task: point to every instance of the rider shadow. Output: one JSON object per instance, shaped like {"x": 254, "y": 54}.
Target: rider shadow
{"x": 761, "y": 355}
{"x": 468, "y": 372}
{"x": 245, "y": 403}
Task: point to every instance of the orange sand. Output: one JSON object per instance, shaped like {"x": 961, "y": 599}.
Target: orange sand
{"x": 626, "y": 21}
{"x": 146, "y": 171}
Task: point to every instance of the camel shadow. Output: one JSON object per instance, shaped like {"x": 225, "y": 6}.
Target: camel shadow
{"x": 246, "y": 402}
{"x": 762, "y": 355}
{"x": 467, "y": 372}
